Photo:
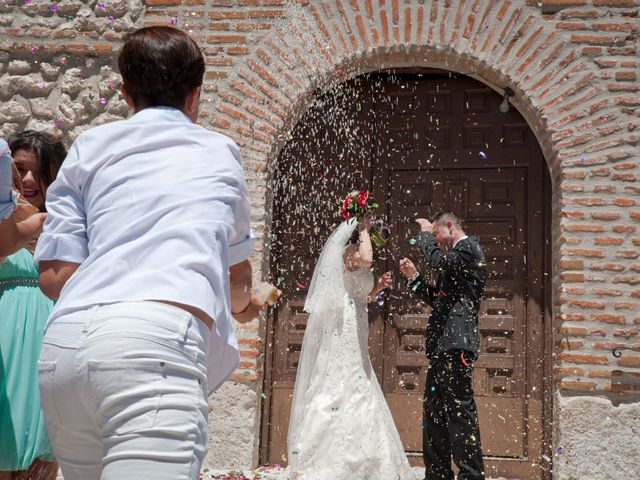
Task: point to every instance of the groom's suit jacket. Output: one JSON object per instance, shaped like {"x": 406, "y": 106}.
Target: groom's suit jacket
{"x": 455, "y": 299}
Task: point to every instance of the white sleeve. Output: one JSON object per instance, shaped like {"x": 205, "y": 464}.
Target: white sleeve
{"x": 242, "y": 241}
{"x": 64, "y": 235}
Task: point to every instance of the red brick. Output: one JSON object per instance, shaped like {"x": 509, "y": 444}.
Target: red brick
{"x": 613, "y": 3}
{"x": 604, "y": 188}
{"x": 624, "y": 202}
{"x": 566, "y": 371}
{"x": 625, "y": 333}
{"x": 607, "y": 292}
{"x": 630, "y": 279}
{"x": 572, "y": 264}
{"x": 625, "y": 177}
{"x": 590, "y": 304}
{"x": 625, "y": 305}
{"x": 566, "y": 344}
{"x": 605, "y": 215}
{"x": 626, "y": 76}
{"x": 585, "y": 253}
{"x": 609, "y": 241}
{"x": 583, "y": 358}
{"x": 573, "y": 227}
{"x": 612, "y": 267}
{"x": 624, "y": 228}
{"x": 608, "y": 318}
{"x": 629, "y": 360}
{"x": 627, "y": 254}
{"x": 595, "y": 39}
{"x": 607, "y": 345}
{"x": 574, "y": 331}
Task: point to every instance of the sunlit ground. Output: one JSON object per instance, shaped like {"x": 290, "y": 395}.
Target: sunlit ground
{"x": 270, "y": 473}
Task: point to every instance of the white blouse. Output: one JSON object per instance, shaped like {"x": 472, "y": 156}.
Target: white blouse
{"x": 152, "y": 207}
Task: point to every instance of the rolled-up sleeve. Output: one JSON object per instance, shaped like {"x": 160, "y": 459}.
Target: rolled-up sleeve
{"x": 242, "y": 241}
{"x": 64, "y": 235}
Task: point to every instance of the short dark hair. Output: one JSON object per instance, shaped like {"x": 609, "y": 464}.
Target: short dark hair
{"x": 48, "y": 150}
{"x": 160, "y": 66}
{"x": 444, "y": 216}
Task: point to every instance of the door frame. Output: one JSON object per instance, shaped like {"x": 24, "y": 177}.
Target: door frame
{"x": 545, "y": 310}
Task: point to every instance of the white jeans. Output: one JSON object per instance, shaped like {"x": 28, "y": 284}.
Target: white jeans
{"x": 124, "y": 392}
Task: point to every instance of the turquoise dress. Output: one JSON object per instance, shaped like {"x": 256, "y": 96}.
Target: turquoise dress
{"x": 23, "y": 313}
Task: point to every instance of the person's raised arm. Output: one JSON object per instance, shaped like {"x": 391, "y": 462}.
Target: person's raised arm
{"x": 63, "y": 245}
{"x": 361, "y": 257}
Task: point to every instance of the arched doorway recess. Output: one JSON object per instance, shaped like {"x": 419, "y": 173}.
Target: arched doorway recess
{"x": 422, "y": 141}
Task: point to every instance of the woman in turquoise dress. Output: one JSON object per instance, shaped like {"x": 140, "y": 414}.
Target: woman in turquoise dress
{"x": 25, "y": 450}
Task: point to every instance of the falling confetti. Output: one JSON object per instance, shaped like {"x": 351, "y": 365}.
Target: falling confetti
{"x": 413, "y": 241}
{"x": 483, "y": 155}
{"x": 34, "y": 50}
{"x": 103, "y": 100}
{"x": 173, "y": 21}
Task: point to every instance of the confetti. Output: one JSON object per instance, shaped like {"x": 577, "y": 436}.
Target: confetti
{"x": 27, "y": 2}
{"x": 103, "y": 100}
{"x": 34, "y": 50}
{"x": 300, "y": 286}
{"x": 559, "y": 450}
{"x": 483, "y": 155}
{"x": 413, "y": 241}
{"x": 112, "y": 85}
{"x": 110, "y": 18}
{"x": 54, "y": 8}
{"x": 58, "y": 122}
{"x": 173, "y": 21}
{"x": 101, "y": 6}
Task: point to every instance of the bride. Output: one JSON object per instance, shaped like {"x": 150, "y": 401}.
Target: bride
{"x": 341, "y": 426}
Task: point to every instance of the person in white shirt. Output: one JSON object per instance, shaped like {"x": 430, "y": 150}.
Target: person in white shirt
{"x": 145, "y": 249}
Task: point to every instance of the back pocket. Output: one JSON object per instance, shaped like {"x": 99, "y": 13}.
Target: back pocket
{"x": 126, "y": 393}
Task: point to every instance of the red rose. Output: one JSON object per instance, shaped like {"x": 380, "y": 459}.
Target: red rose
{"x": 362, "y": 198}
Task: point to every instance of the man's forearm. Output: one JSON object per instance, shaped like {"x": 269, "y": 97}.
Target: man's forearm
{"x": 240, "y": 280}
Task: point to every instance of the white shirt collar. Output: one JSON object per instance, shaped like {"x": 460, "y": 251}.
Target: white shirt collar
{"x": 461, "y": 238}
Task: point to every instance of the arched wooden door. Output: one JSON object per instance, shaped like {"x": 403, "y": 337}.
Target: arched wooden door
{"x": 421, "y": 143}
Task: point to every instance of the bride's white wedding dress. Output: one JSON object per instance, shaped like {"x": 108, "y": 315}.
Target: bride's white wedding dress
{"x": 341, "y": 426}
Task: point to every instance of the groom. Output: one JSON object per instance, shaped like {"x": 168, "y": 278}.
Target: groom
{"x": 450, "y": 416}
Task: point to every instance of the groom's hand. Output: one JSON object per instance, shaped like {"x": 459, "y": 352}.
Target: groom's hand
{"x": 407, "y": 268}
{"x": 425, "y": 225}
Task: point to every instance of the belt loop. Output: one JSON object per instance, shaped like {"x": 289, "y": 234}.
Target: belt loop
{"x": 90, "y": 317}
{"x": 184, "y": 328}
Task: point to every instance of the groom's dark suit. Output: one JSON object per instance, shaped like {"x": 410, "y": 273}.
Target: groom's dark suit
{"x": 450, "y": 416}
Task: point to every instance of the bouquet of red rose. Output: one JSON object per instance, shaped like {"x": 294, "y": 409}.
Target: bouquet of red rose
{"x": 356, "y": 205}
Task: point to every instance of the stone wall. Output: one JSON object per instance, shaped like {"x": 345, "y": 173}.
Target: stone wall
{"x": 571, "y": 63}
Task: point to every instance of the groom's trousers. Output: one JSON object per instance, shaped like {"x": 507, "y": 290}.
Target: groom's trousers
{"x": 450, "y": 426}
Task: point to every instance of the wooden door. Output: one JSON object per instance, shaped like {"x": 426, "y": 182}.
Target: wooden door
{"x": 439, "y": 143}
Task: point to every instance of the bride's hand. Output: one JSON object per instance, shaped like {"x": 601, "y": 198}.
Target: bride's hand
{"x": 366, "y": 223}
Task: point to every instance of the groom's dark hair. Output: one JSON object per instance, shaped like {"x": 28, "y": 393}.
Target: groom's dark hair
{"x": 444, "y": 216}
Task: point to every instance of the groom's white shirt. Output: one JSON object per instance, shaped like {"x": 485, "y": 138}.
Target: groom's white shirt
{"x": 153, "y": 207}
{"x": 461, "y": 238}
